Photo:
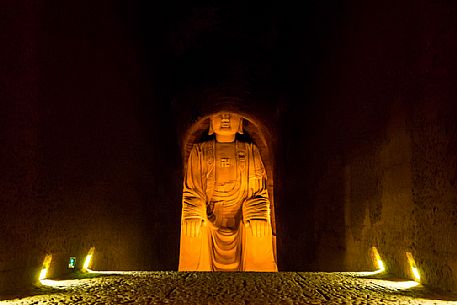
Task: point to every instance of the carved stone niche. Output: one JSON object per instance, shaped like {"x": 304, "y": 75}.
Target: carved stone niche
{"x": 197, "y": 230}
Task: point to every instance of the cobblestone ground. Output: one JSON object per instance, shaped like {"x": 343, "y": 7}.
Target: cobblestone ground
{"x": 232, "y": 288}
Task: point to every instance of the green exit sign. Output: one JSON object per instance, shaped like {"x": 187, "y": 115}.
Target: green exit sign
{"x": 72, "y": 263}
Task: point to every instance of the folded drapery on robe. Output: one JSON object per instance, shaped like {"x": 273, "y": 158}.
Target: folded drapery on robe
{"x": 225, "y": 242}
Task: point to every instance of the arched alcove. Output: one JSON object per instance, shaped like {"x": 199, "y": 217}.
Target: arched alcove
{"x": 255, "y": 131}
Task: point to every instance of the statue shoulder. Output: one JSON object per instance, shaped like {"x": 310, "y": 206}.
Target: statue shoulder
{"x": 252, "y": 147}
{"x": 200, "y": 146}
{"x": 203, "y": 148}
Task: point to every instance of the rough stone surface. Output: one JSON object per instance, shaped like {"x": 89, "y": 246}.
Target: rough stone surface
{"x": 358, "y": 99}
{"x": 232, "y": 288}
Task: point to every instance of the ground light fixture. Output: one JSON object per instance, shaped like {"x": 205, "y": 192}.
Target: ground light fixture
{"x": 377, "y": 259}
{"x": 44, "y": 269}
{"x": 412, "y": 264}
{"x": 384, "y": 282}
{"x": 88, "y": 260}
{"x": 377, "y": 262}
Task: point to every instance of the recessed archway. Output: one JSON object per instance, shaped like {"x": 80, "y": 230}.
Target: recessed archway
{"x": 255, "y": 131}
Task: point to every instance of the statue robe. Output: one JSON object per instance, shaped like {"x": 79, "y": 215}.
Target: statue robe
{"x": 225, "y": 244}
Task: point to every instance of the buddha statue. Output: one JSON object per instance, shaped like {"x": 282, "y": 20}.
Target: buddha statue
{"x": 225, "y": 223}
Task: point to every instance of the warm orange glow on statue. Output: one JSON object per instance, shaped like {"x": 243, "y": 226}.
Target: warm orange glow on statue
{"x": 226, "y": 222}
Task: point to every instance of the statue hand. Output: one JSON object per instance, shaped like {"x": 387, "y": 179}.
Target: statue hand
{"x": 192, "y": 227}
{"x": 258, "y": 227}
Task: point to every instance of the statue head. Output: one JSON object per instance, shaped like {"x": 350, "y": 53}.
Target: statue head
{"x": 225, "y": 124}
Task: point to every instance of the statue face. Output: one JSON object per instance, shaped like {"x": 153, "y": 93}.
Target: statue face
{"x": 226, "y": 123}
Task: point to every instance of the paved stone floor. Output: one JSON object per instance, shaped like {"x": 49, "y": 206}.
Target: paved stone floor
{"x": 232, "y": 288}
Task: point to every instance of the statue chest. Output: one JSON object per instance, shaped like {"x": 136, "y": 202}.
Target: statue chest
{"x": 226, "y": 165}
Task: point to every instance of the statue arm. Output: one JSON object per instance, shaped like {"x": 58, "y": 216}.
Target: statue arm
{"x": 257, "y": 205}
{"x": 194, "y": 199}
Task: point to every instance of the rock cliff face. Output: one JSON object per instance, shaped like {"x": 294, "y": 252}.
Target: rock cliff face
{"x": 355, "y": 103}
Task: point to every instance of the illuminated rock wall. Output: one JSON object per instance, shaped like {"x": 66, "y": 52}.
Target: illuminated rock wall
{"x": 85, "y": 159}
{"x": 400, "y": 196}
{"x": 358, "y": 102}
{"x": 434, "y": 168}
{"x": 386, "y": 153}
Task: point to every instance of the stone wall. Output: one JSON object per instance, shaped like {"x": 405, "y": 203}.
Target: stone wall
{"x": 89, "y": 154}
{"x": 358, "y": 102}
{"x": 412, "y": 202}
{"x": 389, "y": 166}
